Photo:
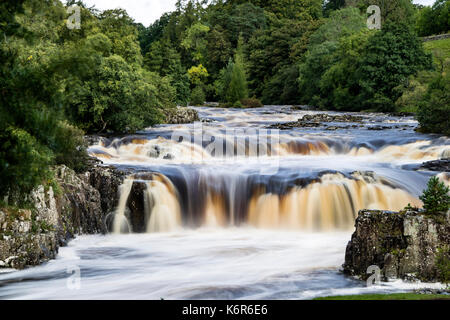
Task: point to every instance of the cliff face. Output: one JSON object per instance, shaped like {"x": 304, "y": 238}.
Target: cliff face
{"x": 79, "y": 205}
{"x": 406, "y": 245}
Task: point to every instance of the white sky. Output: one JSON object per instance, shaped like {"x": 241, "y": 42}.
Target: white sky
{"x": 147, "y": 11}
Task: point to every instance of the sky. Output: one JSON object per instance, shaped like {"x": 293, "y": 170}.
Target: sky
{"x": 147, "y": 11}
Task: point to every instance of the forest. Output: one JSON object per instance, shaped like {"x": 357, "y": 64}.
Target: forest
{"x": 114, "y": 75}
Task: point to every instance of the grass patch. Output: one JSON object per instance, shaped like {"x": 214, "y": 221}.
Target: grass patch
{"x": 393, "y": 296}
{"x": 440, "y": 50}
{"x": 417, "y": 87}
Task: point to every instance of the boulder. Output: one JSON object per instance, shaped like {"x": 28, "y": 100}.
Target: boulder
{"x": 181, "y": 115}
{"x": 442, "y": 165}
{"x": 403, "y": 245}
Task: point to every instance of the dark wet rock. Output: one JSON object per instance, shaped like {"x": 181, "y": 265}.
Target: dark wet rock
{"x": 154, "y": 152}
{"x": 300, "y": 107}
{"x": 181, "y": 115}
{"x": 323, "y": 117}
{"x": 290, "y": 125}
{"x": 106, "y": 180}
{"x": 136, "y": 205}
{"x": 442, "y": 165}
{"x": 401, "y": 114}
{"x": 402, "y": 244}
{"x": 76, "y": 204}
{"x": 91, "y": 140}
{"x": 378, "y": 128}
{"x": 317, "y": 120}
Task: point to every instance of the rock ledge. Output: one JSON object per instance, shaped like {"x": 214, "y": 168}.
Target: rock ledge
{"x": 405, "y": 245}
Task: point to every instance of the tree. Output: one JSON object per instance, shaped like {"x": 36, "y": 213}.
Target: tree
{"x": 197, "y": 96}
{"x": 434, "y": 108}
{"x": 332, "y": 5}
{"x": 194, "y": 41}
{"x": 436, "y": 198}
{"x": 435, "y": 19}
{"x": 339, "y": 85}
{"x": 392, "y": 11}
{"x": 33, "y": 134}
{"x": 316, "y": 74}
{"x": 197, "y": 74}
{"x": 237, "y": 89}
{"x": 391, "y": 57}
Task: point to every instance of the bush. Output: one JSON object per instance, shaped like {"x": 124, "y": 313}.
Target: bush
{"x": 436, "y": 197}
{"x": 197, "y": 96}
{"x": 251, "y": 103}
{"x": 70, "y": 147}
{"x": 434, "y": 108}
{"x": 443, "y": 264}
{"x": 23, "y": 161}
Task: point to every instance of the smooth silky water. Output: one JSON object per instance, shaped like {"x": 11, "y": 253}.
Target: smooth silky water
{"x": 240, "y": 227}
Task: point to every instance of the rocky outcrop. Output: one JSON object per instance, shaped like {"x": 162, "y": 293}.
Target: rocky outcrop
{"x": 442, "y": 165}
{"x": 75, "y": 204}
{"x": 181, "y": 115}
{"x": 320, "y": 119}
{"x": 406, "y": 245}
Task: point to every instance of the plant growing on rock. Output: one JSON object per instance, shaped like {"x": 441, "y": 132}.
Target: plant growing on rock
{"x": 443, "y": 264}
{"x": 436, "y": 197}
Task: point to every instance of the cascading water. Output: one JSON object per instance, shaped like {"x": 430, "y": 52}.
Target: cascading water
{"x": 329, "y": 202}
{"x": 120, "y": 223}
{"x": 163, "y": 210}
{"x": 219, "y": 220}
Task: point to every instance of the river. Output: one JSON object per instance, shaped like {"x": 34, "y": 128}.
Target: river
{"x": 242, "y": 205}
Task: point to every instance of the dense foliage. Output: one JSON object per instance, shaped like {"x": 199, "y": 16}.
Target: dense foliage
{"x": 114, "y": 75}
{"x": 55, "y": 81}
{"x": 436, "y": 198}
{"x": 434, "y": 107}
{"x": 435, "y": 19}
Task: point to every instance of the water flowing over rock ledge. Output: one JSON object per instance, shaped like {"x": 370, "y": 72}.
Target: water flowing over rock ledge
{"x": 30, "y": 237}
{"x": 403, "y": 245}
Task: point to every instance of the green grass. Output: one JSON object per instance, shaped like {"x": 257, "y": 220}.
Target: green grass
{"x": 440, "y": 50}
{"x": 393, "y": 296}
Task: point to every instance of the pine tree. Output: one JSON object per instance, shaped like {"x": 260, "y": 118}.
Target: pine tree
{"x": 238, "y": 90}
{"x": 436, "y": 197}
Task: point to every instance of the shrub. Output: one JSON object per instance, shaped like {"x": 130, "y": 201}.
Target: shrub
{"x": 251, "y": 103}
{"x": 436, "y": 197}
{"x": 197, "y": 96}
{"x": 70, "y": 147}
{"x": 443, "y": 264}
{"x": 434, "y": 108}
{"x": 23, "y": 161}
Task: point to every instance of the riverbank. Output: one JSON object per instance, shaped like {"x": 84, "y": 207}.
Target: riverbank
{"x": 393, "y": 296}
{"x": 74, "y": 204}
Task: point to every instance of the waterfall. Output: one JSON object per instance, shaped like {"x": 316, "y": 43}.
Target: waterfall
{"x": 163, "y": 209}
{"x": 325, "y": 203}
{"x": 120, "y": 220}
{"x": 329, "y": 204}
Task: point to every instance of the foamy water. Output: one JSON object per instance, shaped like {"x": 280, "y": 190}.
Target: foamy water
{"x": 242, "y": 227}
{"x": 239, "y": 263}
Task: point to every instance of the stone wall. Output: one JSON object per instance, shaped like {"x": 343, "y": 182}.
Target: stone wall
{"x": 437, "y": 37}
